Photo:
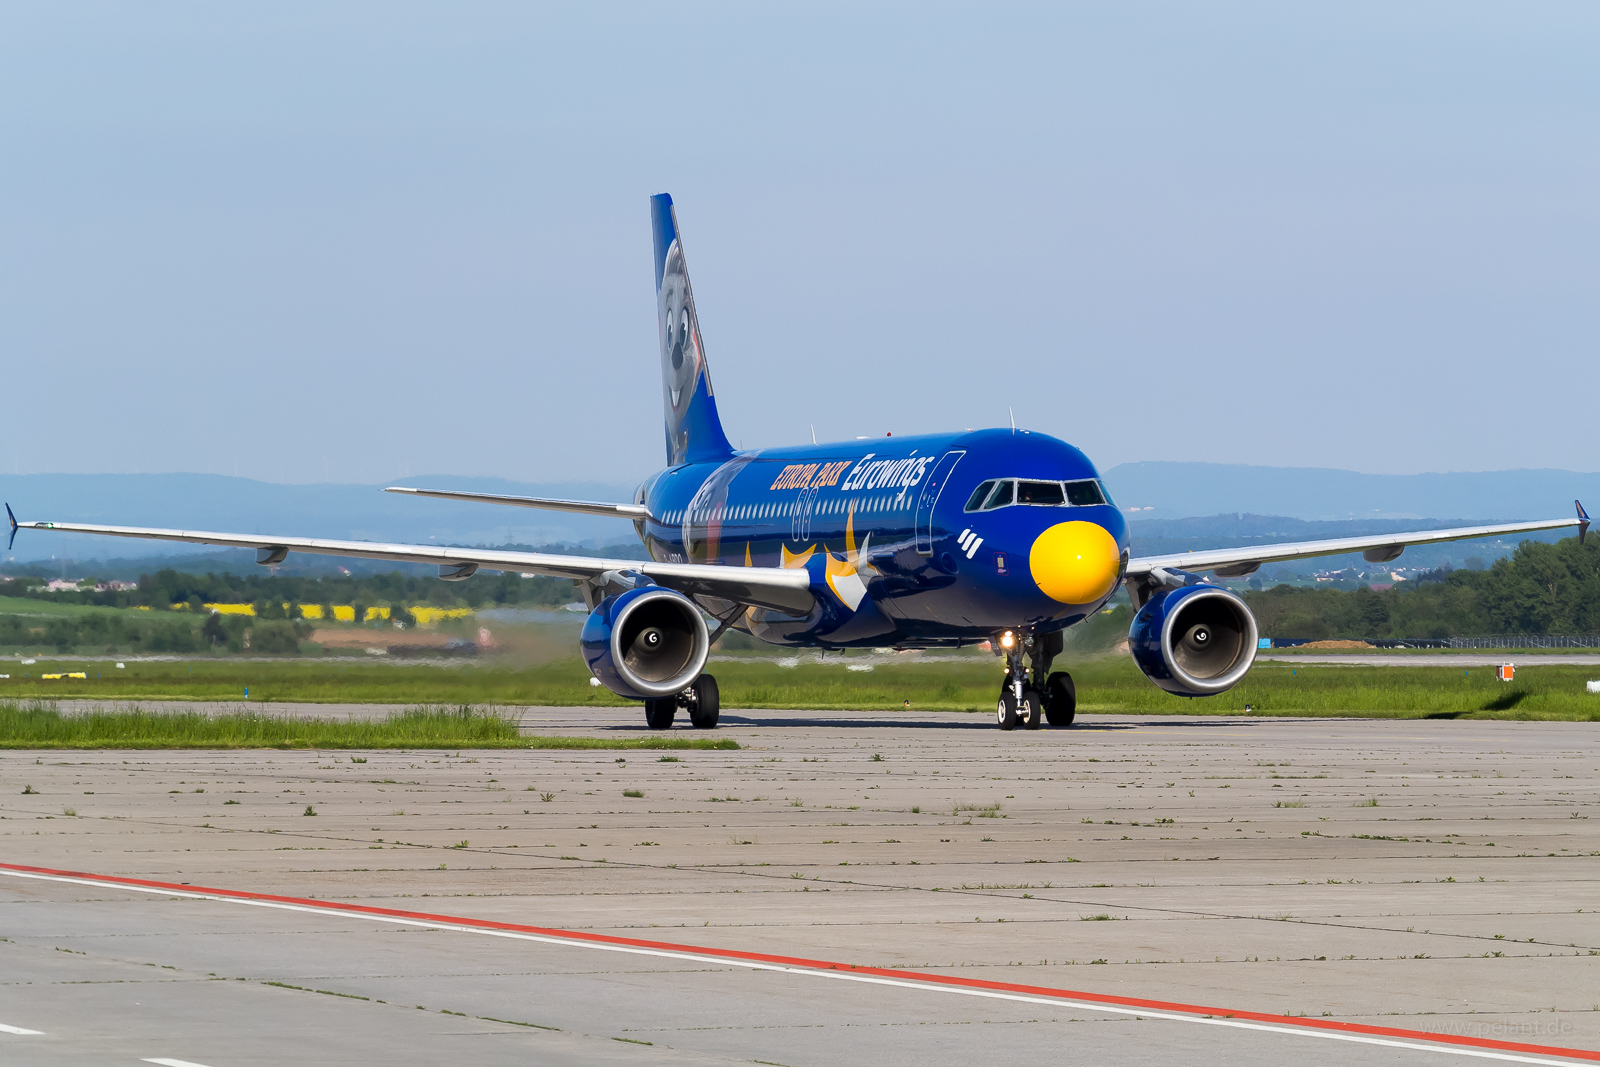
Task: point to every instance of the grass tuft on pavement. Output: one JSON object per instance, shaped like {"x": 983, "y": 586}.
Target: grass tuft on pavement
{"x": 38, "y": 724}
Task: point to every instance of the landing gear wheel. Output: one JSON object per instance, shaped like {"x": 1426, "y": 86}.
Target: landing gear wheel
{"x": 1006, "y": 710}
{"x": 1031, "y": 710}
{"x": 658, "y": 714}
{"x": 705, "y": 702}
{"x": 1060, "y": 699}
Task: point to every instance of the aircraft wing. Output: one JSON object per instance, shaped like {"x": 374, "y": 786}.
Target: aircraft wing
{"x": 1377, "y": 548}
{"x": 584, "y": 507}
{"x": 782, "y": 589}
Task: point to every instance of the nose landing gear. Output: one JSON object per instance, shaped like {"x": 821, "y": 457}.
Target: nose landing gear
{"x": 1023, "y": 700}
{"x": 1019, "y": 705}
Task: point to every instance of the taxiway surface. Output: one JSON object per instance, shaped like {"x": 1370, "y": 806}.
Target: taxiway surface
{"x": 1435, "y": 876}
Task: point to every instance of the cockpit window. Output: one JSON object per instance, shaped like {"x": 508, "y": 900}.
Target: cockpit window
{"x": 999, "y": 497}
{"x": 1084, "y": 493}
{"x": 1046, "y": 494}
{"x": 1004, "y": 492}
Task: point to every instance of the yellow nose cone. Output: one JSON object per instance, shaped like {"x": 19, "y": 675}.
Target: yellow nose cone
{"x": 1075, "y": 562}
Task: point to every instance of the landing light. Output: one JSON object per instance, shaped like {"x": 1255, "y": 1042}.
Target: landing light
{"x": 1008, "y": 639}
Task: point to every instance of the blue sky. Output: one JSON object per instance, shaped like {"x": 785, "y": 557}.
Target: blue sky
{"x": 325, "y": 241}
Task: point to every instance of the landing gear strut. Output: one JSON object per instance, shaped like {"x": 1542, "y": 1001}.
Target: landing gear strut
{"x": 1023, "y": 700}
{"x": 701, "y": 700}
{"x": 1020, "y": 704}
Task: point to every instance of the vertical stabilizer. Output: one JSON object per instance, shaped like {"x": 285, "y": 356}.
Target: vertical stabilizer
{"x": 694, "y": 432}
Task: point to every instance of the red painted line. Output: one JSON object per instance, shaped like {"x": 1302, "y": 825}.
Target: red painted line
{"x": 1287, "y": 1021}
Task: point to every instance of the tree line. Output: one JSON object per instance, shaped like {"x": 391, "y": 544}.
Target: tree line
{"x": 268, "y": 592}
{"x": 1541, "y": 589}
{"x": 104, "y": 631}
{"x": 276, "y": 626}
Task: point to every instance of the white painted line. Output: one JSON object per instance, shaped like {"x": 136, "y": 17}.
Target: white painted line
{"x": 842, "y": 976}
{"x": 4, "y": 1029}
{"x": 166, "y": 1062}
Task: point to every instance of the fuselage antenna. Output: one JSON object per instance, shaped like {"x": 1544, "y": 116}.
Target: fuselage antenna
{"x": 1013, "y": 415}
{"x": 813, "y": 433}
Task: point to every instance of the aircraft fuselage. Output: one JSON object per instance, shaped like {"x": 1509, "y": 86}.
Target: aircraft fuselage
{"x": 897, "y": 528}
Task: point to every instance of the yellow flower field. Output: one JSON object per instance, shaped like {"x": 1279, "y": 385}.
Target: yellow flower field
{"x": 425, "y": 616}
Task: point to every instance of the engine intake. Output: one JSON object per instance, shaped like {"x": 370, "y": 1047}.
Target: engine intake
{"x": 646, "y": 642}
{"x": 1195, "y": 641}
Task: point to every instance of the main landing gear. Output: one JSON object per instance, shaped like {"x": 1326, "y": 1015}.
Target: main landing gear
{"x": 701, "y": 700}
{"x": 1023, "y": 700}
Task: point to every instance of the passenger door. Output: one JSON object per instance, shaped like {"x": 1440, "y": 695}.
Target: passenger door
{"x": 929, "y": 497}
{"x": 800, "y": 516}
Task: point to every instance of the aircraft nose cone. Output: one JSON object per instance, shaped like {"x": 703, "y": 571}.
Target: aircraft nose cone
{"x": 1075, "y": 562}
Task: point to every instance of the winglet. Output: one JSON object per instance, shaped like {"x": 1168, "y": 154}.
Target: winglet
{"x": 1583, "y": 520}
{"x": 13, "y": 538}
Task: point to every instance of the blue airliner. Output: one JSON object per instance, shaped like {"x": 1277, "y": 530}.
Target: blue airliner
{"x": 1005, "y": 536}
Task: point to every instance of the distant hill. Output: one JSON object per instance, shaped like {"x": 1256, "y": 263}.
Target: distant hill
{"x": 1176, "y": 490}
{"x": 348, "y": 512}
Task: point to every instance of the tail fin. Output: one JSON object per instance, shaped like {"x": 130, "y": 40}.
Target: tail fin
{"x": 694, "y": 432}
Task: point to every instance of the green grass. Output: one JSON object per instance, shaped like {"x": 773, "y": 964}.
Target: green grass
{"x": 1105, "y": 684}
{"x": 37, "y": 724}
{"x": 19, "y": 605}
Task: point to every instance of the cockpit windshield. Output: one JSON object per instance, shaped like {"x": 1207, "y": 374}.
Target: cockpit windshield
{"x": 1084, "y": 493}
{"x": 1047, "y": 494}
{"x": 1005, "y": 492}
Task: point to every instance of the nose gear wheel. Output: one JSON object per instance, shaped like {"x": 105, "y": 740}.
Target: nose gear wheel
{"x": 1031, "y": 709}
{"x": 1006, "y": 710}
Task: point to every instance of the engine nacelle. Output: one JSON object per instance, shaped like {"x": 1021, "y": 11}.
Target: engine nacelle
{"x": 646, "y": 642}
{"x": 1196, "y": 641}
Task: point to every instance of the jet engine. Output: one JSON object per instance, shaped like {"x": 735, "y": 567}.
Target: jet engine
{"x": 1195, "y": 641}
{"x": 647, "y": 642}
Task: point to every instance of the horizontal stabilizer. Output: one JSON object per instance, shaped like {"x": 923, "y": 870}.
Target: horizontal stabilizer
{"x": 583, "y": 507}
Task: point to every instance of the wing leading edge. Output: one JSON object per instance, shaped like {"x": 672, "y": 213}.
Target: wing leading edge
{"x": 1378, "y": 548}
{"x": 782, "y": 589}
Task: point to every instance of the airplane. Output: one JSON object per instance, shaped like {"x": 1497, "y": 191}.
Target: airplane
{"x": 1007, "y": 536}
